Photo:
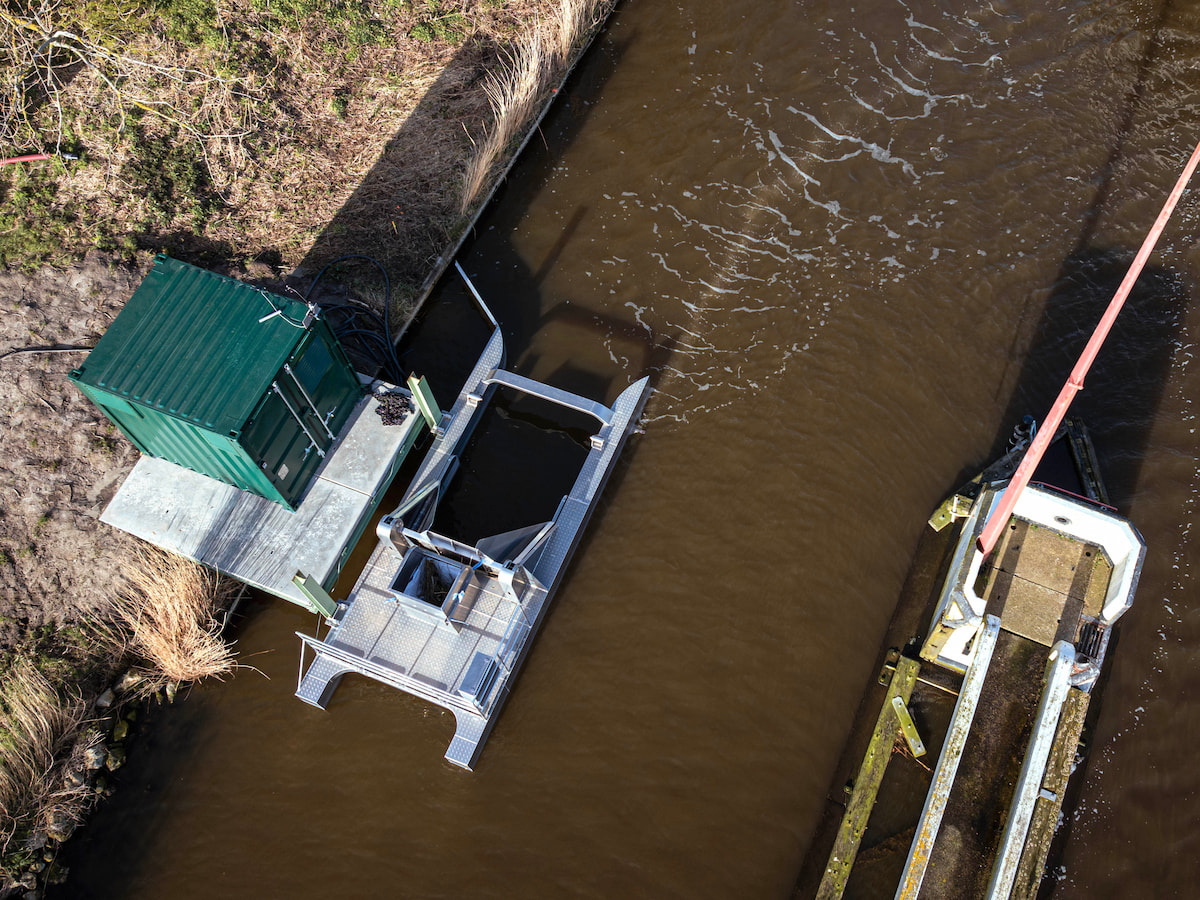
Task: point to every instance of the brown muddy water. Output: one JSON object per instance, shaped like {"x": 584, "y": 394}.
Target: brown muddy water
{"x": 852, "y": 243}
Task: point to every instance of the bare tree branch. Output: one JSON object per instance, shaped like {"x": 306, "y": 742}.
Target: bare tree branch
{"x": 41, "y": 53}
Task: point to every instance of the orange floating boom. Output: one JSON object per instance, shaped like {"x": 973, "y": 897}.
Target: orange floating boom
{"x": 999, "y": 517}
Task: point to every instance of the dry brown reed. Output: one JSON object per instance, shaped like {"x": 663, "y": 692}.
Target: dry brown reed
{"x": 517, "y": 92}
{"x": 172, "y": 608}
{"x": 38, "y": 729}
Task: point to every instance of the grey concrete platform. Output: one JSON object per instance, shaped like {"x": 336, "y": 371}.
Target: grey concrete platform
{"x": 1038, "y": 577}
{"x": 259, "y": 542}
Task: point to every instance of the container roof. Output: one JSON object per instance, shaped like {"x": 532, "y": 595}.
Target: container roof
{"x": 193, "y": 344}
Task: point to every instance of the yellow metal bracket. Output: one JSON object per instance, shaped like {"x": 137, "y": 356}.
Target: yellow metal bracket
{"x": 422, "y": 395}
{"x": 908, "y": 727}
{"x": 316, "y": 594}
{"x": 956, "y": 507}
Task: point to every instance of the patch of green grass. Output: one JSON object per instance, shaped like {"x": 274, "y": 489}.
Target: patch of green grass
{"x": 170, "y": 174}
{"x": 340, "y": 104}
{"x": 438, "y": 23}
{"x": 363, "y": 32}
{"x": 105, "y": 446}
{"x": 109, "y": 22}
{"x": 62, "y": 653}
{"x": 34, "y": 227}
{"x": 356, "y": 22}
{"x": 290, "y": 13}
{"x": 191, "y": 22}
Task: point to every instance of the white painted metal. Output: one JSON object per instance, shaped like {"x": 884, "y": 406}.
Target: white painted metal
{"x": 460, "y": 652}
{"x": 1033, "y": 770}
{"x": 552, "y": 394}
{"x": 956, "y": 620}
{"x": 947, "y": 767}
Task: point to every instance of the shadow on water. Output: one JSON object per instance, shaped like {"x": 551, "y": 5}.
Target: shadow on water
{"x": 531, "y": 449}
{"x": 1124, "y": 389}
{"x": 447, "y": 336}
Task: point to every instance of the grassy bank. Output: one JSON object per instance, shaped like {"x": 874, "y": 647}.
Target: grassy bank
{"x": 251, "y": 136}
{"x": 262, "y": 135}
{"x": 62, "y": 704}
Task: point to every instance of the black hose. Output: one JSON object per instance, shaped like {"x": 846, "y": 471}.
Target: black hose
{"x": 394, "y": 361}
{"x": 58, "y": 349}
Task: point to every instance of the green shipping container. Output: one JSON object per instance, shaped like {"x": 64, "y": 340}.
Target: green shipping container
{"x": 223, "y": 378}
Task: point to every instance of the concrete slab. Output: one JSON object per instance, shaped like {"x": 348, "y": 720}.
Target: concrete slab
{"x": 1042, "y": 576}
{"x": 253, "y": 539}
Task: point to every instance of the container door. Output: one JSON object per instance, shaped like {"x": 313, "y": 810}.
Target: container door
{"x": 286, "y": 442}
{"x": 301, "y": 413}
{"x": 321, "y": 372}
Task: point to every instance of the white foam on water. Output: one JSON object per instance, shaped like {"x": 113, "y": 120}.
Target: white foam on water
{"x": 754, "y": 270}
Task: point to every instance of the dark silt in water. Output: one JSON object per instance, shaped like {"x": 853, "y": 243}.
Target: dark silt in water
{"x": 852, "y": 244}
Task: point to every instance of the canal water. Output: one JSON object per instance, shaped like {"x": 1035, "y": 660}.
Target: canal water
{"x": 851, "y": 244}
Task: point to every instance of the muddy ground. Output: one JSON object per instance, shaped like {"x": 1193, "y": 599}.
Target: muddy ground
{"x": 64, "y": 460}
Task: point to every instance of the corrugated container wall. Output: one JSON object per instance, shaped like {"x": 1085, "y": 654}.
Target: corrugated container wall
{"x": 223, "y": 378}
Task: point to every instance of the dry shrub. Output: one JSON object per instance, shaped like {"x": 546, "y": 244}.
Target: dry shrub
{"x": 38, "y": 727}
{"x": 172, "y": 608}
{"x": 575, "y": 18}
{"x": 517, "y": 92}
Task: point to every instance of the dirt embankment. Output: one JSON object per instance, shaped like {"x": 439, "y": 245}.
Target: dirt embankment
{"x": 312, "y": 129}
{"x": 64, "y": 459}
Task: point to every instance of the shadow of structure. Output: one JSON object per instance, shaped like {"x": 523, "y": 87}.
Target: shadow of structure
{"x": 1123, "y": 391}
{"x": 529, "y": 448}
{"x": 405, "y": 210}
{"x": 404, "y": 213}
{"x": 513, "y": 289}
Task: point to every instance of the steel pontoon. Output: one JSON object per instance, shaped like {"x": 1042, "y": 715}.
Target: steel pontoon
{"x": 996, "y": 683}
{"x": 450, "y": 621}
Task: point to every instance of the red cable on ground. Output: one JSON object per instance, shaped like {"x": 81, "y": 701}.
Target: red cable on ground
{"x": 999, "y": 517}
{"x": 32, "y": 157}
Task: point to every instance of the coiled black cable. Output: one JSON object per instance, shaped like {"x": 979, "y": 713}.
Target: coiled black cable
{"x": 379, "y": 334}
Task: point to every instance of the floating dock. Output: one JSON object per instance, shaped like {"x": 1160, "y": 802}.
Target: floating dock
{"x": 452, "y": 622}
{"x": 992, "y": 661}
{"x": 260, "y": 542}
